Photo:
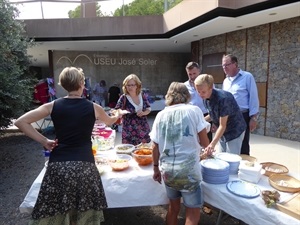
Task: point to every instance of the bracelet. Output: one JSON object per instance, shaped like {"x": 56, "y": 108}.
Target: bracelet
{"x": 155, "y": 165}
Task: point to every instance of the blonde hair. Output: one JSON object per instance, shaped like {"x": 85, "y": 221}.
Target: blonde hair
{"x": 71, "y": 78}
{"x": 177, "y": 93}
{"x": 137, "y": 81}
{"x": 204, "y": 79}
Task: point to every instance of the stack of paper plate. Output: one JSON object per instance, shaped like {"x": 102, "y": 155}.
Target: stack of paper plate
{"x": 232, "y": 159}
{"x": 214, "y": 171}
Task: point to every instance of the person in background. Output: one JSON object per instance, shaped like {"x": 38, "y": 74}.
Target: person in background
{"x": 113, "y": 95}
{"x": 100, "y": 93}
{"x": 71, "y": 189}
{"x": 243, "y": 87}
{"x": 193, "y": 71}
{"x": 135, "y": 126}
{"x": 224, "y": 113}
{"x": 178, "y": 133}
{"x": 88, "y": 88}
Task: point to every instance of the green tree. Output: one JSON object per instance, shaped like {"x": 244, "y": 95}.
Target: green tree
{"x": 76, "y": 13}
{"x": 16, "y": 86}
{"x": 145, "y": 7}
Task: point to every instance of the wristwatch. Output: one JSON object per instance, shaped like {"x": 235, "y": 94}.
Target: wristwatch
{"x": 254, "y": 118}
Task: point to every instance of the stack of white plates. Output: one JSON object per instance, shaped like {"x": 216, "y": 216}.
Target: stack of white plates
{"x": 214, "y": 171}
{"x": 232, "y": 159}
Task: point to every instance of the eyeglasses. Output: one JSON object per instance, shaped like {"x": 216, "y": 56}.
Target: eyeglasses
{"x": 226, "y": 65}
{"x": 130, "y": 85}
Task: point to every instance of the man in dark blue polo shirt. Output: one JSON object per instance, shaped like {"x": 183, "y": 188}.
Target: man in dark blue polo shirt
{"x": 224, "y": 113}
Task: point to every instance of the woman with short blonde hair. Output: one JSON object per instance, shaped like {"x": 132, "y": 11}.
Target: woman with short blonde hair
{"x": 205, "y": 79}
{"x": 71, "y": 156}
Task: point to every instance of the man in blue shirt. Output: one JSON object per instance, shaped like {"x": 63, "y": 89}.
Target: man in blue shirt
{"x": 193, "y": 71}
{"x": 224, "y": 113}
{"x": 243, "y": 87}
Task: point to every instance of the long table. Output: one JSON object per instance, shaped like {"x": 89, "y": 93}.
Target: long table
{"x": 251, "y": 211}
{"x": 135, "y": 187}
{"x": 129, "y": 188}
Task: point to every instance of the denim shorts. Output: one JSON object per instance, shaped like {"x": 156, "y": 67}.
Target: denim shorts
{"x": 192, "y": 199}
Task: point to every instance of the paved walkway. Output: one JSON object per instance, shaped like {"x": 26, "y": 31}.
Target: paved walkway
{"x": 269, "y": 149}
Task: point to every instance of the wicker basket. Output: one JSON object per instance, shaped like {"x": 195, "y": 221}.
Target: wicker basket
{"x": 284, "y": 183}
{"x": 274, "y": 168}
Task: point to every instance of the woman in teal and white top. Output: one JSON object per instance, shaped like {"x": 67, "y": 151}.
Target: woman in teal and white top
{"x": 178, "y": 133}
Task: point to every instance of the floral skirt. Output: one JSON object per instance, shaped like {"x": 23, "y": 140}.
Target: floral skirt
{"x": 73, "y": 217}
{"x": 71, "y": 193}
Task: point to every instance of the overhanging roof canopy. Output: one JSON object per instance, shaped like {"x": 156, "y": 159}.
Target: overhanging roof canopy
{"x": 189, "y": 21}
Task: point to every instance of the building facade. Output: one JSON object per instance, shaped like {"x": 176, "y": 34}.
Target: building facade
{"x": 270, "y": 51}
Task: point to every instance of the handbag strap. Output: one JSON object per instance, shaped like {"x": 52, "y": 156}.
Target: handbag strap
{"x": 124, "y": 102}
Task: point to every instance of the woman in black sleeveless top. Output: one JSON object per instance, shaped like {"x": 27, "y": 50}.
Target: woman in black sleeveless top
{"x": 71, "y": 191}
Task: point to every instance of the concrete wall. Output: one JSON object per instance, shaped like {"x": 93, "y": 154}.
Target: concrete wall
{"x": 182, "y": 12}
{"x": 271, "y": 52}
{"x": 94, "y": 27}
{"x": 128, "y": 25}
{"x": 156, "y": 70}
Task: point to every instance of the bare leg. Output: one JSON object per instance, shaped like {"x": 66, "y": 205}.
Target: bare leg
{"x": 192, "y": 216}
{"x": 173, "y": 211}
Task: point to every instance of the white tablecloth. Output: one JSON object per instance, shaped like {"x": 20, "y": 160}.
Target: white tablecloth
{"x": 132, "y": 187}
{"x": 135, "y": 187}
{"x": 251, "y": 211}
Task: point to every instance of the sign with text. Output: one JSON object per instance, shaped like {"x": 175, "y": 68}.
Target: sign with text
{"x": 106, "y": 60}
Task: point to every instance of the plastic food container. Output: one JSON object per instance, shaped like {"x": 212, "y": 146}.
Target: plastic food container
{"x": 104, "y": 139}
{"x": 143, "y": 156}
{"x": 124, "y": 148}
{"x": 120, "y": 162}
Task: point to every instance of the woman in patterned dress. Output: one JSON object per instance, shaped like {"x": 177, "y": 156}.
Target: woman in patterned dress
{"x": 135, "y": 126}
{"x": 71, "y": 191}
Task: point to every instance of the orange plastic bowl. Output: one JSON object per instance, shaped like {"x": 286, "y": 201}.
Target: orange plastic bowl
{"x": 143, "y": 156}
